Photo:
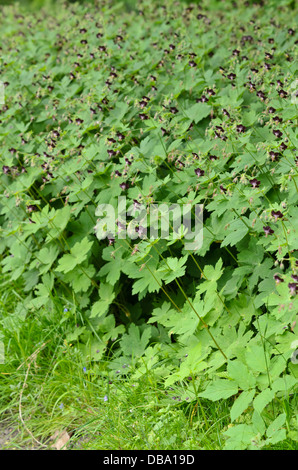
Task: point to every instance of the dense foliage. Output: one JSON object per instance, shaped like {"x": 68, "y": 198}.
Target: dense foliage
{"x": 169, "y": 104}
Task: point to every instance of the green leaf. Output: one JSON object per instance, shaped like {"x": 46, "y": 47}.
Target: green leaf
{"x": 239, "y": 437}
{"x": 191, "y": 366}
{"x": 82, "y": 280}
{"x": 57, "y": 222}
{"x": 214, "y": 273}
{"x": 16, "y": 263}
{"x": 241, "y": 374}
{"x": 220, "y": 389}
{"x": 263, "y": 399}
{"x": 198, "y": 111}
{"x": 293, "y": 435}
{"x": 255, "y": 358}
{"x": 149, "y": 278}
{"x": 47, "y": 256}
{"x": 172, "y": 268}
{"x": 106, "y": 296}
{"x": 78, "y": 254}
{"x": 258, "y": 423}
{"x": 274, "y": 427}
{"x": 74, "y": 335}
{"x": 134, "y": 342}
{"x": 241, "y": 403}
{"x": 237, "y": 230}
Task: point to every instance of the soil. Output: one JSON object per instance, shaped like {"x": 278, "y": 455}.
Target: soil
{"x": 10, "y": 439}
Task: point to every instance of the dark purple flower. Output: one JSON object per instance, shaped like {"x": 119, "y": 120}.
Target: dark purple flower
{"x": 268, "y": 55}
{"x": 240, "y": 128}
{"x": 277, "y": 133}
{"x": 164, "y": 131}
{"x": 5, "y": 169}
{"x": 293, "y": 286}
{"x": 277, "y": 278}
{"x": 268, "y": 230}
{"x": 246, "y": 38}
{"x": 295, "y": 277}
{"x": 283, "y": 146}
{"x": 32, "y": 208}
{"x": 203, "y": 99}
{"x": 261, "y": 95}
{"x": 274, "y": 155}
{"x": 120, "y": 136}
{"x": 251, "y": 86}
{"x": 128, "y": 161}
{"x": 255, "y": 183}
{"x": 123, "y": 185}
{"x": 199, "y": 172}
{"x": 276, "y": 215}
{"x": 271, "y": 110}
{"x": 231, "y": 76}
{"x": 277, "y": 119}
{"x": 120, "y": 225}
{"x": 283, "y": 93}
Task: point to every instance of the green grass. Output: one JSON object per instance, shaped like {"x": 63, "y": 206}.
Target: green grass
{"x": 57, "y": 391}
{"x": 73, "y": 318}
